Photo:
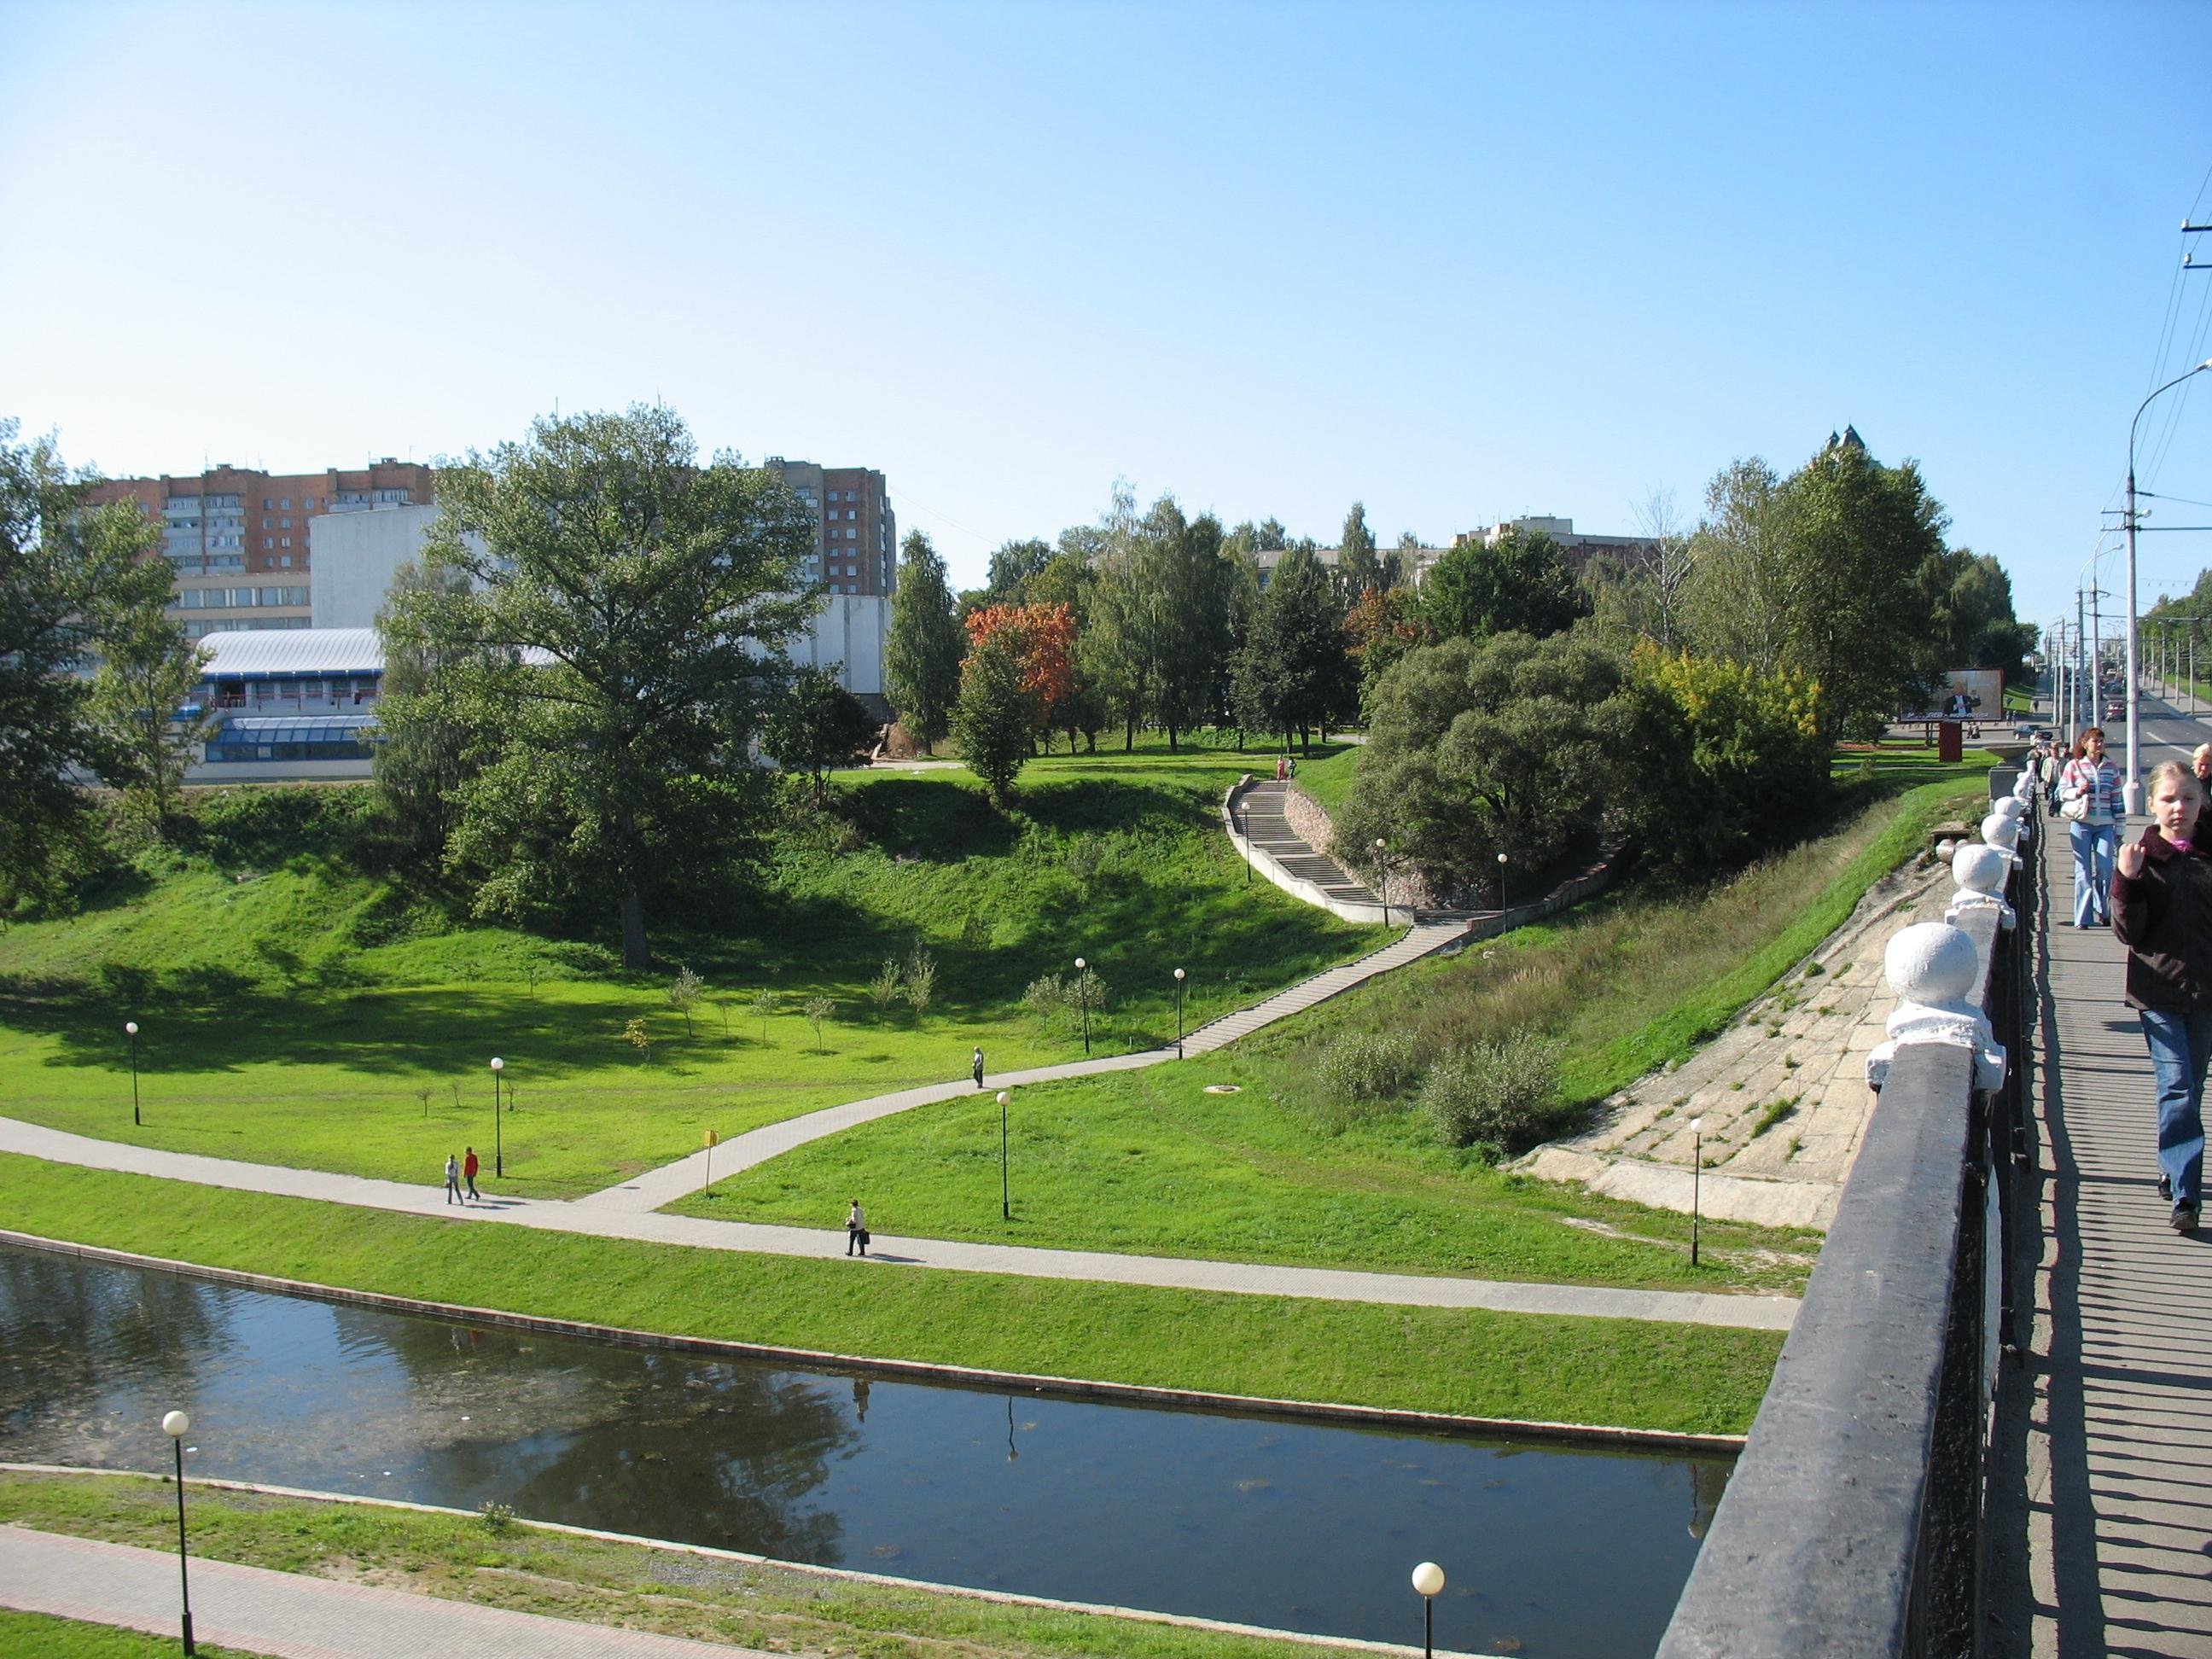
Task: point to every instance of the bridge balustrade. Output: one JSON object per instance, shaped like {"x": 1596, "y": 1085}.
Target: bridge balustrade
{"x": 1854, "y": 1522}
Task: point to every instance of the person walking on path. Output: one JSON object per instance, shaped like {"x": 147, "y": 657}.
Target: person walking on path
{"x": 979, "y": 1068}
{"x": 469, "y": 1168}
{"x": 2162, "y": 912}
{"x": 856, "y": 1230}
{"x": 452, "y": 1179}
{"x": 2089, "y": 797}
{"x": 2200, "y": 763}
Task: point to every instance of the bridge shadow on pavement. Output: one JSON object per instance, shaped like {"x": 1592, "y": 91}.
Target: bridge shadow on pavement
{"x": 2100, "y": 1495}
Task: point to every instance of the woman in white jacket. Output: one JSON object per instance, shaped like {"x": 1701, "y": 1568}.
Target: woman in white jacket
{"x": 2093, "y": 782}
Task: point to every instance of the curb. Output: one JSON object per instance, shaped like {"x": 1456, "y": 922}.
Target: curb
{"x": 1437, "y": 1423}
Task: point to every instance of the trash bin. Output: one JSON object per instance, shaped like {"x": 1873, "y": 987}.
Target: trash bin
{"x": 1950, "y": 744}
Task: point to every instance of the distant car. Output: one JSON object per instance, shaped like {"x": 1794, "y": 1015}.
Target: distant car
{"x": 2116, "y": 711}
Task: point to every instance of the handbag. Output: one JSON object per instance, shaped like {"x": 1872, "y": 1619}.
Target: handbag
{"x": 2075, "y": 808}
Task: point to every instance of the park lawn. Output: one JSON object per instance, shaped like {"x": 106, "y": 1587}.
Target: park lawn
{"x": 527, "y": 1569}
{"x": 1906, "y": 759}
{"x": 1149, "y": 1162}
{"x": 303, "y": 1013}
{"x": 36, "y": 1636}
{"x": 1469, "y": 1363}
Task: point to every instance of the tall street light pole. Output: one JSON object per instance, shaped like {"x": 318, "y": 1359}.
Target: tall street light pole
{"x": 1383, "y": 867}
{"x": 1179, "y": 979}
{"x": 1696, "y": 1173}
{"x": 498, "y": 1152}
{"x": 177, "y": 1426}
{"x": 1083, "y": 996}
{"x": 2131, "y": 790}
{"x": 1005, "y": 1192}
{"x": 130, "y": 1031}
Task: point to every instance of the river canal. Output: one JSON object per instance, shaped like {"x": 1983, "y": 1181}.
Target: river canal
{"x": 1560, "y": 1550}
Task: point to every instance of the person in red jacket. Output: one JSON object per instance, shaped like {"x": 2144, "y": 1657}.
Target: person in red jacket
{"x": 2162, "y": 911}
{"x": 469, "y": 1168}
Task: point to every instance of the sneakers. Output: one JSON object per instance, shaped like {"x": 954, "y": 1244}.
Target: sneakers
{"x": 2183, "y": 1218}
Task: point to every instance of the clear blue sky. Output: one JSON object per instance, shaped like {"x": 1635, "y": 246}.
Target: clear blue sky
{"x": 1458, "y": 262}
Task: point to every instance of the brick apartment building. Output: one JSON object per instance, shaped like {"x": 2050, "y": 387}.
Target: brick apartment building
{"x": 858, "y": 550}
{"x": 236, "y": 538}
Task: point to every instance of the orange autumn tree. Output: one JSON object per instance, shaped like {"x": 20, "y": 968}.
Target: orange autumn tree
{"x": 1043, "y": 638}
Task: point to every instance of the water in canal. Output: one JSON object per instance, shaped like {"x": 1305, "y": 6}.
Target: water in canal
{"x": 1271, "y": 1521}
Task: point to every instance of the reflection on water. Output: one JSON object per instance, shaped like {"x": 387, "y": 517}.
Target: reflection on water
{"x": 1284, "y": 1524}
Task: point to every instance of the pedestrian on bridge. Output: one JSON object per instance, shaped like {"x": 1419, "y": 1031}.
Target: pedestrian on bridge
{"x": 2162, "y": 906}
{"x": 2090, "y": 800}
{"x": 2200, "y": 763}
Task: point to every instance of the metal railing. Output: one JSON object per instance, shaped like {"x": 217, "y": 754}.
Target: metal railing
{"x": 1854, "y": 1524}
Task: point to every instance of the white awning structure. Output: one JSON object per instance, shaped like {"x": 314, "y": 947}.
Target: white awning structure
{"x": 273, "y": 653}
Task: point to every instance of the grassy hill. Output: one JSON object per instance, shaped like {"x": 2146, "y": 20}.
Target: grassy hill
{"x": 296, "y": 1009}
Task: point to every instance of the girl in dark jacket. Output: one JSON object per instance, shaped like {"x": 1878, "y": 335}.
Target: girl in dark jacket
{"x": 2162, "y": 911}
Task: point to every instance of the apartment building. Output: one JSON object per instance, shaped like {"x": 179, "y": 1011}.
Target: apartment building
{"x": 236, "y": 538}
{"x": 857, "y": 549}
{"x": 1579, "y": 546}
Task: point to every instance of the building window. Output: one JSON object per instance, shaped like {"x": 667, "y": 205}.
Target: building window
{"x": 266, "y": 502}
{"x": 285, "y": 541}
{"x": 284, "y": 506}
{"x": 266, "y": 544}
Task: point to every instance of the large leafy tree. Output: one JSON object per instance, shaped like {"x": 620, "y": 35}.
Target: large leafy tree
{"x": 921, "y": 660}
{"x": 76, "y": 583}
{"x": 1520, "y": 583}
{"x": 1971, "y": 622}
{"x": 814, "y": 724}
{"x": 626, "y": 610}
{"x": 1859, "y": 531}
{"x": 142, "y": 695}
{"x": 1744, "y": 586}
{"x": 1507, "y": 743}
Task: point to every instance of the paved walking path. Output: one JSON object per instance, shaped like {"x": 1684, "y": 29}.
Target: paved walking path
{"x": 554, "y": 1215}
{"x": 1259, "y": 811}
{"x": 660, "y": 1187}
{"x": 296, "y": 1617}
{"x": 2106, "y": 1478}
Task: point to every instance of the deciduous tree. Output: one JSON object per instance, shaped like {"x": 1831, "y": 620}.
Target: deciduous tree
{"x": 628, "y": 607}
{"x": 922, "y": 658}
{"x": 1519, "y": 584}
{"x": 72, "y": 579}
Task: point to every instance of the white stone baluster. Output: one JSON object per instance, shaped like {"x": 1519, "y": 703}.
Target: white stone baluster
{"x": 1934, "y": 967}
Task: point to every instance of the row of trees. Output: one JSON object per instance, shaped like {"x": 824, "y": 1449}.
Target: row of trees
{"x": 91, "y": 673}
{"x": 1835, "y": 576}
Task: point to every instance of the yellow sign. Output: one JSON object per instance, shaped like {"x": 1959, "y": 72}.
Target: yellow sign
{"x": 711, "y": 1139}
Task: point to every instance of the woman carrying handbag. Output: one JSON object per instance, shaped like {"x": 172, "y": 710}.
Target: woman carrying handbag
{"x": 2089, "y": 801}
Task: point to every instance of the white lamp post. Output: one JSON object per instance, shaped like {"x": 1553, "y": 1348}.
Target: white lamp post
{"x": 1429, "y": 1579}
{"x": 2131, "y": 790}
{"x": 130, "y": 1031}
{"x": 177, "y": 1426}
{"x": 1382, "y": 868}
{"x": 498, "y": 1147}
{"x": 1179, "y": 979}
{"x": 1083, "y": 997}
{"x": 1502, "y": 906}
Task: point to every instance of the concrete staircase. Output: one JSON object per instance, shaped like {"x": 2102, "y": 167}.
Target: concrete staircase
{"x": 1260, "y": 812}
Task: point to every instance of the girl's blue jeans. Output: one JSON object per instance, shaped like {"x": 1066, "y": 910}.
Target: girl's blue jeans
{"x": 2179, "y": 1046}
{"x": 2094, "y": 847}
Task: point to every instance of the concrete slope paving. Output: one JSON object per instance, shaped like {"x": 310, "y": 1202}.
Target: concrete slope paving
{"x": 554, "y": 1215}
{"x": 296, "y": 1617}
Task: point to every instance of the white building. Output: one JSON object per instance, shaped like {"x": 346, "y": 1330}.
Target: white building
{"x": 357, "y": 554}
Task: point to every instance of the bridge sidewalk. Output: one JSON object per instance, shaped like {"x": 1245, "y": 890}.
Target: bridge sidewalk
{"x": 2101, "y": 1494}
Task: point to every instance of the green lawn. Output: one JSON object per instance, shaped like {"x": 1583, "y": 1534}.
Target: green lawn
{"x": 528, "y": 1569}
{"x": 293, "y": 1011}
{"x": 1622, "y": 1372}
{"x": 1150, "y": 1163}
{"x": 1906, "y": 758}
{"x": 1326, "y": 773}
{"x": 35, "y": 1636}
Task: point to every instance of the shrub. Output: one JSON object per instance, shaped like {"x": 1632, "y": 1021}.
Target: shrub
{"x": 884, "y": 989}
{"x": 1369, "y": 1065}
{"x": 1501, "y": 1093}
{"x": 1046, "y": 998}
